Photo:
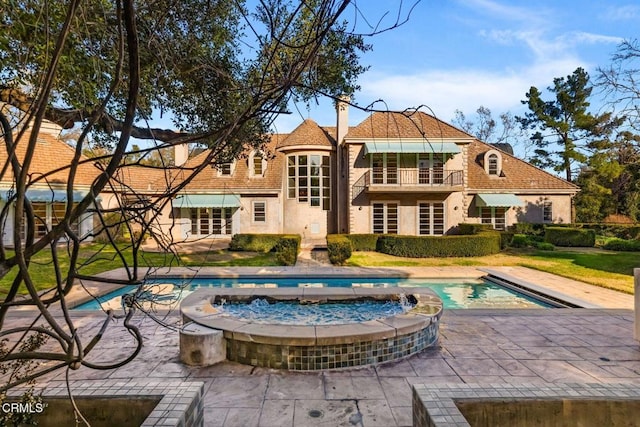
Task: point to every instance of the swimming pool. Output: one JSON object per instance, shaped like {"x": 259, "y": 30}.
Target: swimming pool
{"x": 455, "y": 293}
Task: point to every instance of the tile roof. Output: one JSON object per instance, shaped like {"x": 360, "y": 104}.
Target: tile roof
{"x": 408, "y": 124}
{"x": 518, "y": 174}
{"x": 50, "y": 154}
{"x": 240, "y": 179}
{"x": 308, "y": 133}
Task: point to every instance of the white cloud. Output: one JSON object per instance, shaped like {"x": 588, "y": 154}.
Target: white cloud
{"x": 445, "y": 91}
{"x": 623, "y": 13}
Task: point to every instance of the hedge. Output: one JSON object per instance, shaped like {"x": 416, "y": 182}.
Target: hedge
{"x": 255, "y": 242}
{"x": 339, "y": 248}
{"x": 287, "y": 249}
{"x": 473, "y": 228}
{"x": 622, "y": 245}
{"x": 363, "y": 242}
{"x": 484, "y": 243}
{"x": 528, "y": 228}
{"x": 285, "y": 246}
{"x": 567, "y": 236}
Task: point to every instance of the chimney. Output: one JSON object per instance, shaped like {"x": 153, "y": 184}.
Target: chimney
{"x": 180, "y": 154}
{"x": 342, "y": 122}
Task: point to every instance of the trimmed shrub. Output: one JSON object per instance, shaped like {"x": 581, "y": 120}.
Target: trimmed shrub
{"x": 528, "y": 228}
{"x": 287, "y": 248}
{"x": 363, "y": 242}
{"x": 520, "y": 241}
{"x": 468, "y": 229}
{"x": 506, "y": 237}
{"x": 567, "y": 236}
{"x": 544, "y": 246}
{"x": 339, "y": 247}
{"x": 622, "y": 245}
{"x": 485, "y": 243}
{"x": 254, "y": 242}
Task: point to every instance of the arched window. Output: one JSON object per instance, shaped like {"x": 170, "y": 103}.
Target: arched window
{"x": 493, "y": 163}
{"x": 257, "y": 164}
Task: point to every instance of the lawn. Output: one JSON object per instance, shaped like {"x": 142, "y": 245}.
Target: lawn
{"x": 98, "y": 258}
{"x": 613, "y": 270}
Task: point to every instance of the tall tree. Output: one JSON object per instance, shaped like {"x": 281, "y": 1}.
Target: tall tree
{"x": 104, "y": 66}
{"x": 620, "y": 81}
{"x": 563, "y": 130}
{"x": 610, "y": 182}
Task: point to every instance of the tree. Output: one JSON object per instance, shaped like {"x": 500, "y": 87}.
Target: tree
{"x": 620, "y": 81}
{"x": 103, "y": 67}
{"x": 486, "y": 129}
{"x": 609, "y": 182}
{"x": 563, "y": 130}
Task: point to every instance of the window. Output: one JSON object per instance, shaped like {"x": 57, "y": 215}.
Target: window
{"x": 259, "y": 212}
{"x": 384, "y": 168}
{"x": 496, "y": 216}
{"x": 430, "y": 168}
{"x": 48, "y": 215}
{"x": 431, "y": 218}
{"x": 206, "y": 221}
{"x": 493, "y": 163}
{"x": 309, "y": 180}
{"x": 385, "y": 218}
{"x": 257, "y": 164}
{"x": 547, "y": 211}
{"x": 225, "y": 169}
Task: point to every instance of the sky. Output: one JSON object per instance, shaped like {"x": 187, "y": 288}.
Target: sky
{"x": 461, "y": 54}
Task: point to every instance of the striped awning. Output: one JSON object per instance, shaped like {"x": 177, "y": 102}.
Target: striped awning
{"x": 207, "y": 201}
{"x": 498, "y": 200}
{"x": 411, "y": 147}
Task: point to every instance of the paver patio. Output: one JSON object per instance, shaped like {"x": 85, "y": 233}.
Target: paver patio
{"x": 476, "y": 346}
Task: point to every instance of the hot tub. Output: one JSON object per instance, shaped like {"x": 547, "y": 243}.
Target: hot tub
{"x": 314, "y": 347}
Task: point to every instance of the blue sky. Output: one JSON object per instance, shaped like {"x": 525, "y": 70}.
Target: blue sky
{"x": 460, "y": 54}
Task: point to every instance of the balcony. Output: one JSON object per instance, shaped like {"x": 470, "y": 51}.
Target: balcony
{"x": 409, "y": 180}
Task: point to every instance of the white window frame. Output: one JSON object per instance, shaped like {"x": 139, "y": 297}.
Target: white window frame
{"x": 431, "y": 204}
{"x": 253, "y": 211}
{"x": 390, "y": 174}
{"x": 252, "y": 165}
{"x": 323, "y": 189}
{"x": 487, "y": 169}
{"x": 494, "y": 217}
{"x": 226, "y": 223}
{"x": 50, "y": 219}
{"x": 232, "y": 167}
{"x": 385, "y": 215}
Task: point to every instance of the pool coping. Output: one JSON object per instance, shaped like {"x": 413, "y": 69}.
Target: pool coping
{"x": 197, "y": 307}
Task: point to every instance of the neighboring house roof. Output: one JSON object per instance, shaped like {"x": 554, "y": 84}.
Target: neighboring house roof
{"x": 307, "y": 134}
{"x": 409, "y": 124}
{"x": 50, "y": 154}
{"x": 209, "y": 180}
{"x": 516, "y": 174}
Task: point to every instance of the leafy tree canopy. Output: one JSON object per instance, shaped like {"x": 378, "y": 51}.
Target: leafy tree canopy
{"x": 206, "y": 62}
{"x": 563, "y": 130}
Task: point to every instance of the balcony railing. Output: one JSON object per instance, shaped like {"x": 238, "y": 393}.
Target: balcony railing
{"x": 409, "y": 179}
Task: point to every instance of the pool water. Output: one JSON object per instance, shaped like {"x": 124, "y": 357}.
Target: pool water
{"x": 455, "y": 293}
{"x": 294, "y": 313}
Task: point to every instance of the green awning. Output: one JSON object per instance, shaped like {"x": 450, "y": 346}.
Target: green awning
{"x": 498, "y": 200}
{"x": 207, "y": 201}
{"x": 410, "y": 147}
{"x": 47, "y": 195}
{"x": 44, "y": 195}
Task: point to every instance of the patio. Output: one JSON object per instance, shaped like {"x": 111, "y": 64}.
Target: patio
{"x": 533, "y": 346}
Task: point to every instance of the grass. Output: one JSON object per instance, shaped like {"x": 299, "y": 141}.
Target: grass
{"x": 97, "y": 258}
{"x": 612, "y": 270}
